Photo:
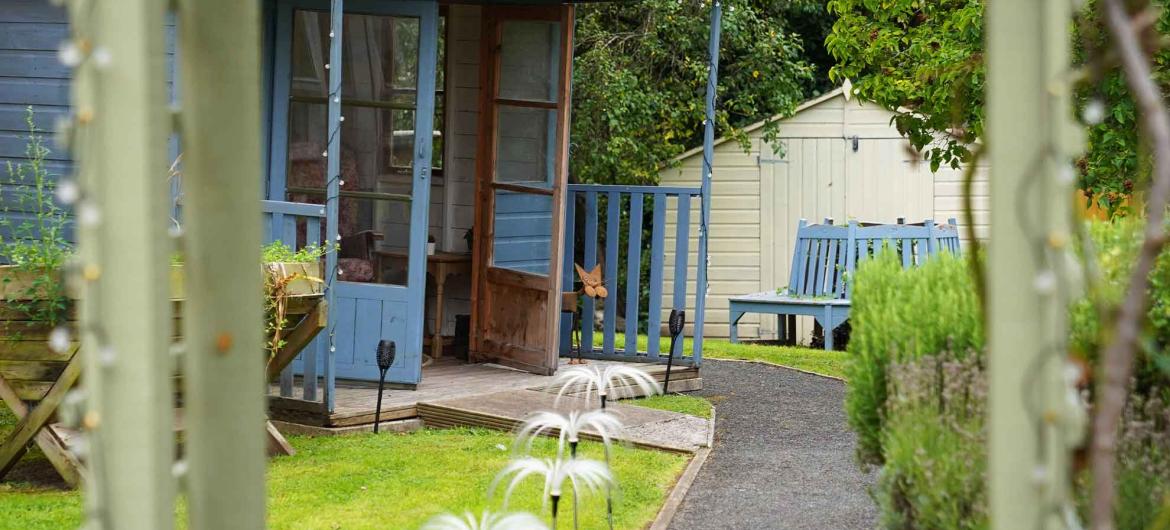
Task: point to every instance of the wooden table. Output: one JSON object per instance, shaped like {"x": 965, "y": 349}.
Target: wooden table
{"x": 439, "y": 265}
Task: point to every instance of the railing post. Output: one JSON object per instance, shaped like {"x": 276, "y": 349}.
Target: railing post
{"x": 219, "y": 42}
{"x": 613, "y": 221}
{"x": 633, "y": 272}
{"x": 332, "y": 191}
{"x": 121, "y": 140}
{"x": 708, "y": 157}
{"x": 590, "y": 257}
{"x": 567, "y": 268}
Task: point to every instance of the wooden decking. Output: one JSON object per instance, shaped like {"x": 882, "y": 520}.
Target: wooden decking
{"x": 445, "y": 379}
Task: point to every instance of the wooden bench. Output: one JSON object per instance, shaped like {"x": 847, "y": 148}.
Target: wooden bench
{"x": 826, "y": 257}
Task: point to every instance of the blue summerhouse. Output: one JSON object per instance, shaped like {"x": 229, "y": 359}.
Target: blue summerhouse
{"x": 430, "y": 139}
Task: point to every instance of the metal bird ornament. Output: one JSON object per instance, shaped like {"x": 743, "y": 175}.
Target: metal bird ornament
{"x": 594, "y": 287}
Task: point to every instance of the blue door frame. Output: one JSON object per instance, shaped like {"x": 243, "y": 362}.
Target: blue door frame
{"x": 361, "y": 314}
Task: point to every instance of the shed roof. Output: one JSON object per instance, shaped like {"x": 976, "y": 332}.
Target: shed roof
{"x": 760, "y": 124}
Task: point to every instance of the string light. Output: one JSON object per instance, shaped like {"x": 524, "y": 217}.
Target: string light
{"x": 68, "y": 192}
{"x": 88, "y": 214}
{"x": 59, "y": 339}
{"x": 69, "y": 55}
{"x": 101, "y": 57}
{"x": 1094, "y": 112}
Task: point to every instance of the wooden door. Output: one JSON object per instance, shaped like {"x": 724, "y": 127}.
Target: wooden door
{"x": 522, "y": 169}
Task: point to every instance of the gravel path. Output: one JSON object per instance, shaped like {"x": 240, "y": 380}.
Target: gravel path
{"x": 783, "y": 455}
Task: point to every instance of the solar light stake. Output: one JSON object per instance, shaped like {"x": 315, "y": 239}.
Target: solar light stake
{"x": 556, "y": 499}
{"x": 386, "y": 351}
{"x": 678, "y": 319}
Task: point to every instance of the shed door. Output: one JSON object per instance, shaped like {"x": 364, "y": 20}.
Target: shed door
{"x": 522, "y": 173}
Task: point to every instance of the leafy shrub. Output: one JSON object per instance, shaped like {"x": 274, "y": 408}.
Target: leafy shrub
{"x": 1113, "y": 251}
{"x": 900, "y": 315}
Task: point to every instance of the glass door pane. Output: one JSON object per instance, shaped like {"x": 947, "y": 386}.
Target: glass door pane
{"x": 529, "y": 60}
{"x": 379, "y": 97}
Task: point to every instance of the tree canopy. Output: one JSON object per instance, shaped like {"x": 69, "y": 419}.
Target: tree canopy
{"x": 641, "y": 74}
{"x": 924, "y": 60}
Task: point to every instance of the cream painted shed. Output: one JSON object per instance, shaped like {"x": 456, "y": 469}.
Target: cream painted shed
{"x": 833, "y": 158}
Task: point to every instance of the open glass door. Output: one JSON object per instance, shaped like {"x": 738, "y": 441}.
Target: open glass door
{"x": 388, "y": 66}
{"x": 522, "y": 174}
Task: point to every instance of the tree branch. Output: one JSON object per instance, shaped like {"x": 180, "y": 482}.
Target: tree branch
{"x": 1117, "y": 359}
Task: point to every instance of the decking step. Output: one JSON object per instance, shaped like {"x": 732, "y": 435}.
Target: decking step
{"x": 644, "y": 427}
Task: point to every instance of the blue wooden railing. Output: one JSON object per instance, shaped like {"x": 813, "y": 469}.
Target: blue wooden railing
{"x": 297, "y": 225}
{"x": 628, "y": 204}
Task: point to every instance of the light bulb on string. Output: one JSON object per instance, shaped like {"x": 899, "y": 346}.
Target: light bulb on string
{"x": 88, "y": 214}
{"x": 68, "y": 192}
{"x": 101, "y": 57}
{"x": 59, "y": 339}
{"x": 69, "y": 54}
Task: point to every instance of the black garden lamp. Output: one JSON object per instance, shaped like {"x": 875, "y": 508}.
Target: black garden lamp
{"x": 678, "y": 319}
{"x": 386, "y": 351}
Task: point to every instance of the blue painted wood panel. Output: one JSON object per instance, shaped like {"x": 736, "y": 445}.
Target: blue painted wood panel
{"x": 31, "y": 32}
{"x": 523, "y": 232}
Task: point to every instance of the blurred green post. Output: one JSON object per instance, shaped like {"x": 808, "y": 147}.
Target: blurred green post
{"x": 220, "y": 135}
{"x": 121, "y": 127}
{"x": 1033, "y": 140}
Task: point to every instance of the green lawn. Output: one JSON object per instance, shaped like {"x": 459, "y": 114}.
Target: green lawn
{"x": 831, "y": 363}
{"x": 686, "y": 404}
{"x": 390, "y": 481}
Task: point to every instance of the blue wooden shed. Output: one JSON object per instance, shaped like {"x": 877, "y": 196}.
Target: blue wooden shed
{"x": 429, "y": 139}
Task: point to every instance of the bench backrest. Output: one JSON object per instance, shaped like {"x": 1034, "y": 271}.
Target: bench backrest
{"x": 826, "y": 255}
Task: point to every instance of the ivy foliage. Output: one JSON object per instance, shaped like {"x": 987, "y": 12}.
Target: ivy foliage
{"x": 925, "y": 59}
{"x": 641, "y": 74}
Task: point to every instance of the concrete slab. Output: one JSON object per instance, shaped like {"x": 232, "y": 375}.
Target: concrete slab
{"x": 644, "y": 427}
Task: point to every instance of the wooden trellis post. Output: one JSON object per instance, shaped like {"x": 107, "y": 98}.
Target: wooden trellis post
{"x": 1032, "y": 140}
{"x": 121, "y": 128}
{"x": 120, "y": 137}
{"x": 220, "y": 134}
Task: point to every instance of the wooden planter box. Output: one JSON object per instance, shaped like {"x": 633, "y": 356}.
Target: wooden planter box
{"x": 30, "y": 367}
{"x": 32, "y": 372}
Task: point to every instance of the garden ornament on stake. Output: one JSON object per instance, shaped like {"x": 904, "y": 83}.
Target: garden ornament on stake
{"x": 486, "y": 521}
{"x": 593, "y": 287}
{"x": 605, "y": 381}
{"x": 569, "y": 429}
{"x": 386, "y": 352}
{"x": 583, "y": 475}
{"x": 678, "y": 319}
